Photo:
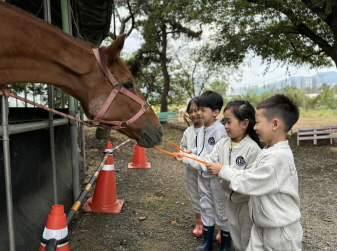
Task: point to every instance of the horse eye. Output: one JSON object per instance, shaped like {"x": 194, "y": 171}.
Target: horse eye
{"x": 128, "y": 85}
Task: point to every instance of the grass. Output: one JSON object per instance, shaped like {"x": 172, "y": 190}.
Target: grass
{"x": 324, "y": 113}
{"x": 316, "y": 118}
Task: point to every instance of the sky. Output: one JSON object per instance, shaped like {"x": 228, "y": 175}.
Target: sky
{"x": 254, "y": 74}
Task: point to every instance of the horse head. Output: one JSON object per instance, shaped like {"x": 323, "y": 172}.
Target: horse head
{"x": 70, "y": 64}
{"x": 120, "y": 101}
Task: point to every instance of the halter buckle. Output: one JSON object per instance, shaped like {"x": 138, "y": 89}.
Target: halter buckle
{"x": 121, "y": 125}
{"x": 146, "y": 105}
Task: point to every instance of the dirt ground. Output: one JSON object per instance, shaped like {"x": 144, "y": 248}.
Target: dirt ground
{"x": 157, "y": 215}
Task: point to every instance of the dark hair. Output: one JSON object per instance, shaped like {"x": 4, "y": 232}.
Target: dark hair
{"x": 210, "y": 99}
{"x": 191, "y": 102}
{"x": 282, "y": 107}
{"x": 244, "y": 110}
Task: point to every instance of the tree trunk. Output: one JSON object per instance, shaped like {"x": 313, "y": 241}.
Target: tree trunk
{"x": 334, "y": 31}
{"x": 163, "y": 62}
{"x": 102, "y": 133}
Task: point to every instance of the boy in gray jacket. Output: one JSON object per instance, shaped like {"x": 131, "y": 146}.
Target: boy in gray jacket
{"x": 212, "y": 198}
{"x": 272, "y": 181}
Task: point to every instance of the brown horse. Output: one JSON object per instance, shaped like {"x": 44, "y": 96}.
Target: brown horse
{"x": 32, "y": 50}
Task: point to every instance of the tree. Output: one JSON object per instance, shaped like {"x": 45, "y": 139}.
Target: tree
{"x": 194, "y": 75}
{"x": 292, "y": 92}
{"x": 146, "y": 69}
{"x": 297, "y": 95}
{"x": 293, "y": 32}
{"x": 219, "y": 86}
{"x": 161, "y": 21}
{"x": 326, "y": 99}
{"x": 131, "y": 9}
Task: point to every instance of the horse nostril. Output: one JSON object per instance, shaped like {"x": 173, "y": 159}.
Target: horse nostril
{"x": 160, "y": 131}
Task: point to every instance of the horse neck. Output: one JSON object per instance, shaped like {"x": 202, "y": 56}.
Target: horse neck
{"x": 34, "y": 51}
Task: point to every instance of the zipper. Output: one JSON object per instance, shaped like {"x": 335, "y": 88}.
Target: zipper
{"x": 202, "y": 148}
{"x": 203, "y": 144}
{"x": 230, "y": 160}
{"x": 230, "y": 155}
{"x": 253, "y": 216}
{"x": 230, "y": 196}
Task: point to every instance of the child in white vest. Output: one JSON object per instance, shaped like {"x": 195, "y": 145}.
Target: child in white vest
{"x": 272, "y": 181}
{"x": 212, "y": 198}
{"x": 189, "y": 141}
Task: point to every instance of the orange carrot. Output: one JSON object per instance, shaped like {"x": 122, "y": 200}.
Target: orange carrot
{"x": 182, "y": 155}
{"x": 177, "y": 147}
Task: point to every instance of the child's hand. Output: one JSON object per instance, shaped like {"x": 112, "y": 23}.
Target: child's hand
{"x": 178, "y": 157}
{"x": 214, "y": 168}
{"x": 188, "y": 151}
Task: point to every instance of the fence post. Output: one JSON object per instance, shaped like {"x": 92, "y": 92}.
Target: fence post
{"x": 7, "y": 165}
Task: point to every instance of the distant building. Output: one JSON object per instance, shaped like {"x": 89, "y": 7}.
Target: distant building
{"x": 301, "y": 82}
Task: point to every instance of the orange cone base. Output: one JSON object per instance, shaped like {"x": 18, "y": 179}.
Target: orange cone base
{"x": 116, "y": 208}
{"x": 63, "y": 248}
{"x": 134, "y": 166}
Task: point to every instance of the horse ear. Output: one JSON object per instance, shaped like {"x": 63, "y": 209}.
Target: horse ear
{"x": 115, "y": 48}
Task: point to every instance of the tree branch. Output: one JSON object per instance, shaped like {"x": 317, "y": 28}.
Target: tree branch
{"x": 300, "y": 26}
{"x": 318, "y": 11}
{"x": 292, "y": 45}
{"x": 132, "y": 18}
{"x": 190, "y": 33}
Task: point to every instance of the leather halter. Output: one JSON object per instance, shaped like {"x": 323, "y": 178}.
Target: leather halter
{"x": 100, "y": 57}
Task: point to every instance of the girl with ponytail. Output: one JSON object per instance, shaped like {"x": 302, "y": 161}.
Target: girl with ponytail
{"x": 243, "y": 111}
{"x": 238, "y": 151}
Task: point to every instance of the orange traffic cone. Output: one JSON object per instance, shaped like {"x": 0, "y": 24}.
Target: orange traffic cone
{"x": 104, "y": 199}
{"x": 139, "y": 158}
{"x": 56, "y": 230}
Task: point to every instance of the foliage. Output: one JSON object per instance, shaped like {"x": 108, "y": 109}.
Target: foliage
{"x": 126, "y": 12}
{"x": 149, "y": 79}
{"x": 41, "y": 90}
{"x": 193, "y": 75}
{"x": 293, "y": 32}
{"x": 325, "y": 100}
{"x": 160, "y": 24}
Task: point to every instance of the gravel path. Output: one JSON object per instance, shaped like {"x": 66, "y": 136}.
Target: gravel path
{"x": 157, "y": 215}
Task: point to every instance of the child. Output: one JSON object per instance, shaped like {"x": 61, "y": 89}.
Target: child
{"x": 189, "y": 141}
{"x": 272, "y": 181}
{"x": 239, "y": 151}
{"x": 212, "y": 199}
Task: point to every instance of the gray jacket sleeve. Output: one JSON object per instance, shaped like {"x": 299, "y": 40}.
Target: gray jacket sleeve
{"x": 254, "y": 182}
{"x": 183, "y": 142}
{"x": 213, "y": 157}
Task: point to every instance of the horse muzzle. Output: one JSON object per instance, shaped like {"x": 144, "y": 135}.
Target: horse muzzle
{"x": 149, "y": 138}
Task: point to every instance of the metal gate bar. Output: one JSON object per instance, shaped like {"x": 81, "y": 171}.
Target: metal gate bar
{"x": 7, "y": 166}
{"x": 33, "y": 126}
